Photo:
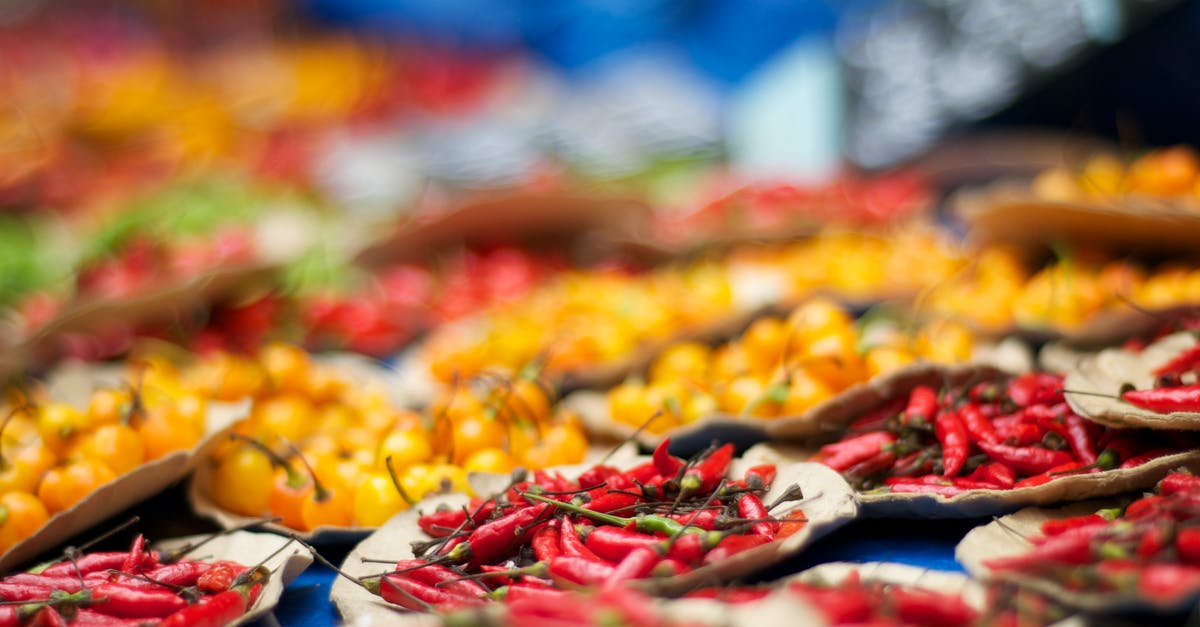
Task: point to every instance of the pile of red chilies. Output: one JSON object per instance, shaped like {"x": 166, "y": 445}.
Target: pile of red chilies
{"x": 138, "y": 587}
{"x": 660, "y": 518}
{"x": 1176, "y": 387}
{"x": 1150, "y": 547}
{"x": 991, "y": 435}
{"x": 852, "y": 602}
{"x": 606, "y": 607}
{"x": 855, "y": 602}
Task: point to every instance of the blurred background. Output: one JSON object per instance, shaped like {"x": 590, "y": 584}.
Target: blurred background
{"x": 218, "y": 121}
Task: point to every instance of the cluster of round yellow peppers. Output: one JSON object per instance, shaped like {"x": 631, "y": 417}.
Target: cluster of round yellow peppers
{"x": 55, "y": 454}
{"x": 582, "y": 319}
{"x": 1166, "y": 173}
{"x": 777, "y": 367}
{"x": 1062, "y": 295}
{"x": 586, "y": 320}
{"x": 317, "y": 423}
{"x": 861, "y": 265}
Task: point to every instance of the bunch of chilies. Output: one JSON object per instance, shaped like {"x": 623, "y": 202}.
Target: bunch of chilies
{"x": 1150, "y": 547}
{"x": 852, "y": 600}
{"x": 664, "y": 517}
{"x": 988, "y": 435}
{"x": 134, "y": 588}
{"x": 1176, "y": 387}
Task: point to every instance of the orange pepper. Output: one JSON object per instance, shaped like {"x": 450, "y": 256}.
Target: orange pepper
{"x": 21, "y": 514}
{"x": 289, "y": 491}
{"x": 23, "y": 471}
{"x": 65, "y": 486}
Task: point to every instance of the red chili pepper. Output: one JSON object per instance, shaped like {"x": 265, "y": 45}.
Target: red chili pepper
{"x": 765, "y": 473}
{"x": 1186, "y": 361}
{"x": 1047, "y": 417}
{"x": 914, "y": 464}
{"x": 922, "y": 406}
{"x": 1143, "y": 507}
{"x": 124, "y": 601}
{"x": 537, "y": 594}
{"x": 13, "y": 587}
{"x": 903, "y": 487}
{"x": 846, "y": 605}
{"x": 1166, "y": 400}
{"x": 614, "y": 543}
{"x": 870, "y": 467}
{"x": 1049, "y": 475}
{"x": 877, "y": 419}
{"x": 732, "y": 545}
{"x": 1067, "y": 548}
{"x": 690, "y": 548}
{"x": 545, "y": 542}
{"x": 1178, "y": 482}
{"x": 596, "y": 475}
{"x": 48, "y": 617}
{"x": 1021, "y": 434}
{"x": 133, "y": 561}
{"x": 667, "y": 464}
{"x": 177, "y": 574}
{"x": 441, "y": 576}
{"x": 970, "y": 484}
{"x": 1035, "y": 388}
{"x": 570, "y": 542}
{"x": 1026, "y": 460}
{"x": 636, "y": 565}
{"x": 1153, "y": 541}
{"x": 440, "y": 523}
{"x": 96, "y": 562}
{"x": 217, "y": 610}
{"x": 670, "y": 567}
{"x": 451, "y": 544}
{"x": 979, "y": 427}
{"x": 84, "y": 617}
{"x": 704, "y": 476}
{"x": 1079, "y": 439}
{"x": 1059, "y": 526}
{"x": 1166, "y": 581}
{"x": 922, "y": 607}
{"x": 701, "y": 519}
{"x": 612, "y": 502}
{"x": 952, "y": 435}
{"x": 842, "y": 455}
{"x": 924, "y": 480}
{"x": 409, "y": 593}
{"x": 220, "y": 576}
{"x": 579, "y": 570}
{"x": 554, "y": 481}
{"x": 641, "y": 473}
{"x": 750, "y": 506}
{"x": 492, "y": 541}
{"x": 1006, "y": 422}
{"x": 995, "y": 473}
{"x": 1148, "y": 456}
{"x": 1187, "y": 543}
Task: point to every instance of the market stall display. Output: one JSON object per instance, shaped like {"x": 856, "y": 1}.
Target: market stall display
{"x": 973, "y": 442}
{"x": 1133, "y": 553}
{"x": 89, "y": 444}
{"x": 539, "y": 354}
{"x": 787, "y": 375}
{"x": 157, "y": 586}
{"x": 325, "y": 447}
{"x": 579, "y": 529}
